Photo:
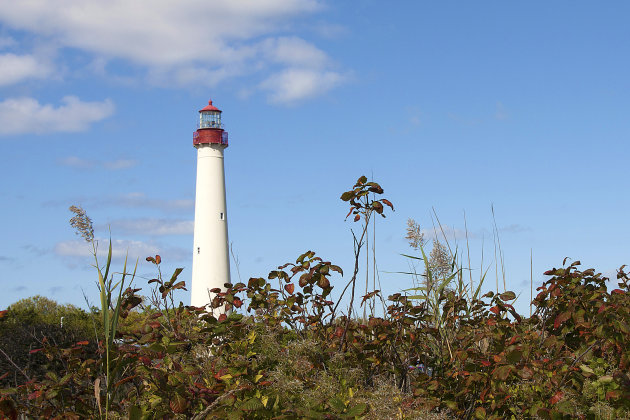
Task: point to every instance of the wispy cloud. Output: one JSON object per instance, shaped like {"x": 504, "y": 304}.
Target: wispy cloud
{"x": 515, "y": 228}
{"x": 35, "y": 250}
{"x": 415, "y": 115}
{"x": 80, "y": 163}
{"x": 450, "y": 233}
{"x": 330, "y": 30}
{"x": 119, "y": 164}
{"x": 77, "y": 163}
{"x": 133, "y": 200}
{"x": 6, "y": 41}
{"x": 222, "y": 39}
{"x": 501, "y": 113}
{"x": 139, "y": 199}
{"x": 153, "y": 227}
{"x": 27, "y": 115}
{"x": 121, "y": 249}
{"x": 55, "y": 289}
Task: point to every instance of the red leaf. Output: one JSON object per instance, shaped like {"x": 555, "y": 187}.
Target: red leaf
{"x": 122, "y": 381}
{"x": 616, "y": 291}
{"x": 158, "y": 259}
{"x": 557, "y": 397}
{"x": 3, "y": 313}
{"x": 237, "y": 302}
{"x": 222, "y": 317}
{"x": 495, "y": 310}
{"x": 485, "y": 363}
{"x": 178, "y": 404}
{"x": 387, "y": 202}
{"x": 35, "y": 351}
{"x": 289, "y": 288}
{"x": 601, "y": 309}
{"x": 560, "y": 319}
{"x": 357, "y": 217}
{"x": 323, "y": 282}
{"x": 220, "y": 373}
{"x": 83, "y": 343}
{"x": 613, "y": 395}
{"x": 34, "y": 395}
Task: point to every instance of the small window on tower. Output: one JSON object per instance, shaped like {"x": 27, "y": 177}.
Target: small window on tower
{"x": 198, "y": 250}
{"x": 221, "y": 216}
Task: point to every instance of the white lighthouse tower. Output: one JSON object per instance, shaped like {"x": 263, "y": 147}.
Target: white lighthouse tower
{"x": 211, "y": 264}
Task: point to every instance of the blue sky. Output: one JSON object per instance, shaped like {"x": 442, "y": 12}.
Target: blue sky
{"x": 452, "y": 106}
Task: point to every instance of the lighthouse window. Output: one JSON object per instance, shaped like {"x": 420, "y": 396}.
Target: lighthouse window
{"x": 198, "y": 250}
{"x": 210, "y": 120}
{"x": 221, "y": 216}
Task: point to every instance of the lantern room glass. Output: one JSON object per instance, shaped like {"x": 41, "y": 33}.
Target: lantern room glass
{"x": 209, "y": 119}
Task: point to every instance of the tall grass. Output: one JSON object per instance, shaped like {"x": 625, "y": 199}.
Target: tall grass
{"x": 111, "y": 298}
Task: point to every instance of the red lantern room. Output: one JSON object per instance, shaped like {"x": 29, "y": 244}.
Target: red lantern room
{"x": 210, "y": 130}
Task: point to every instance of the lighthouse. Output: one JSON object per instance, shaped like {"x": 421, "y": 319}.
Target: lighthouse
{"x": 211, "y": 265}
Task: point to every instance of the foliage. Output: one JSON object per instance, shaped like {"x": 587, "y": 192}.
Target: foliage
{"x": 26, "y": 324}
{"x": 283, "y": 349}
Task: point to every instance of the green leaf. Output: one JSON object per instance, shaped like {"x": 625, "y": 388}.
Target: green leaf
{"x": 356, "y": 410}
{"x": 507, "y": 296}
{"x": 514, "y": 356}
{"x": 337, "y": 404}
{"x": 347, "y": 196}
{"x": 252, "y": 404}
{"x": 587, "y": 371}
{"x": 480, "y": 413}
{"x": 135, "y": 413}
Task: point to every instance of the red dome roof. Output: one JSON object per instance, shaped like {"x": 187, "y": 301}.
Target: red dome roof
{"x": 210, "y": 107}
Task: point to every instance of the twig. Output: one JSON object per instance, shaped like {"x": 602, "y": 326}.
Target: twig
{"x": 357, "y": 254}
{"x": 16, "y": 366}
{"x": 208, "y": 409}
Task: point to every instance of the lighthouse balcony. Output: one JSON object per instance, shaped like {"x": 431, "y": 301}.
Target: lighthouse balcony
{"x": 210, "y": 136}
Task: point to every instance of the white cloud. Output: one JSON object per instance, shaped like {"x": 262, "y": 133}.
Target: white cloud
{"x": 157, "y": 227}
{"x": 295, "y": 84}
{"x": 188, "y": 42}
{"x": 27, "y": 115}
{"x": 154, "y": 31}
{"x": 16, "y": 68}
{"x": 295, "y": 51}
